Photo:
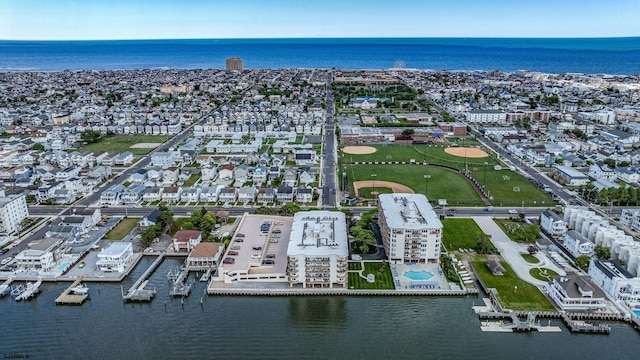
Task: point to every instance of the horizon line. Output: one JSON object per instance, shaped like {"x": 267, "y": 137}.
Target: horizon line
{"x": 338, "y": 37}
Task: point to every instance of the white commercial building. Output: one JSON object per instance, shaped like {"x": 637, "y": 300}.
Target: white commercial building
{"x": 13, "y": 209}
{"x": 318, "y": 251}
{"x": 411, "y": 231}
{"x": 115, "y": 257}
{"x": 576, "y": 292}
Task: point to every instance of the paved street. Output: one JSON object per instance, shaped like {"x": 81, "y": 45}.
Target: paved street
{"x": 511, "y": 251}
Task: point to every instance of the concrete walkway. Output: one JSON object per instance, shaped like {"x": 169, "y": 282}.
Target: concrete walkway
{"x": 511, "y": 250}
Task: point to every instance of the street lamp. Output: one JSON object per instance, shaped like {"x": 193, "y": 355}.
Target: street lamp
{"x": 426, "y": 185}
{"x": 484, "y": 180}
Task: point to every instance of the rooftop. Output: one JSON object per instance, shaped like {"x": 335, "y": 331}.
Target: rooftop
{"x": 408, "y": 211}
{"x": 318, "y": 233}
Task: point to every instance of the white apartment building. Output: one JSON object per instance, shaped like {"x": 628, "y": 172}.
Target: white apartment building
{"x": 318, "y": 252}
{"x": 115, "y": 257}
{"x": 486, "y": 117}
{"x": 616, "y": 281}
{"x": 411, "y": 231}
{"x": 13, "y": 209}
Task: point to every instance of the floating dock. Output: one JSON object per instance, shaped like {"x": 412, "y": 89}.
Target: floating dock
{"x": 5, "y": 286}
{"x": 137, "y": 292}
{"x": 68, "y": 297}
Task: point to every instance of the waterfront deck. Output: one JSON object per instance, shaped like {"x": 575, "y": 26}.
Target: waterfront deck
{"x": 137, "y": 291}
{"x": 69, "y": 298}
{"x": 177, "y": 278}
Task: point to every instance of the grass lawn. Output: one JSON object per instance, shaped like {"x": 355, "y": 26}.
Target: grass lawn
{"x": 191, "y": 180}
{"x": 460, "y": 233}
{"x": 366, "y": 192}
{"x": 122, "y": 143}
{"x": 443, "y": 184}
{"x": 530, "y": 258}
{"x": 384, "y": 279}
{"x": 507, "y": 187}
{"x": 177, "y": 225}
{"x": 122, "y": 229}
{"x": 543, "y": 274}
{"x": 526, "y": 297}
{"x": 513, "y": 229}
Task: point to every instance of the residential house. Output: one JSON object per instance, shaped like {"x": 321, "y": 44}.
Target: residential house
{"x": 163, "y": 159}
{"x": 225, "y": 172}
{"x": 124, "y": 159}
{"x": 228, "y": 194}
{"x": 209, "y": 194}
{"x": 306, "y": 176}
{"x": 247, "y": 194}
{"x": 149, "y": 220}
{"x": 139, "y": 177}
{"x": 552, "y": 223}
{"x": 284, "y": 193}
{"x": 208, "y": 172}
{"x": 152, "y": 194}
{"x": 602, "y": 171}
{"x": 170, "y": 175}
{"x": 171, "y": 194}
{"x": 574, "y": 292}
{"x": 578, "y": 244}
{"x": 133, "y": 194}
{"x": 259, "y": 175}
{"x": 186, "y": 240}
{"x": 266, "y": 195}
{"x": 304, "y": 195}
{"x": 190, "y": 194}
{"x": 116, "y": 257}
{"x": 241, "y": 174}
{"x": 111, "y": 196}
{"x": 290, "y": 176}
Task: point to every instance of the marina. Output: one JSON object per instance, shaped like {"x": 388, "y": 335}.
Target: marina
{"x": 75, "y": 294}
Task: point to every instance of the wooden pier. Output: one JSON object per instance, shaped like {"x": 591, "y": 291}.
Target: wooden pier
{"x": 137, "y": 291}
{"x": 69, "y": 298}
{"x": 583, "y": 327}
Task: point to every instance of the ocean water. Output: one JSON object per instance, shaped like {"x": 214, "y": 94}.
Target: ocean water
{"x": 583, "y": 55}
{"x": 228, "y": 327}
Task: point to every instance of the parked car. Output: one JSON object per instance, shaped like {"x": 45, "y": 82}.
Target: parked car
{"x": 513, "y": 211}
{"x": 268, "y": 262}
{"x": 232, "y": 253}
{"x": 271, "y": 256}
{"x": 257, "y": 248}
{"x": 229, "y": 260}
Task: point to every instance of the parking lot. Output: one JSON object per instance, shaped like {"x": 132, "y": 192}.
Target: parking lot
{"x": 259, "y": 245}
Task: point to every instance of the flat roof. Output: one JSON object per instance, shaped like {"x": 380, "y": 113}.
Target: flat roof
{"x": 408, "y": 211}
{"x": 116, "y": 248}
{"x": 319, "y": 233}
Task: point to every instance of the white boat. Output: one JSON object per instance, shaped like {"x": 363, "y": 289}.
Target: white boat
{"x": 29, "y": 291}
{"x": 80, "y": 290}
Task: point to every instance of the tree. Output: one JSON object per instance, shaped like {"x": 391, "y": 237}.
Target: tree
{"x": 37, "y": 146}
{"x": 582, "y": 262}
{"x": 485, "y": 246}
{"x": 603, "y": 252}
{"x": 408, "y": 132}
{"x": 90, "y": 136}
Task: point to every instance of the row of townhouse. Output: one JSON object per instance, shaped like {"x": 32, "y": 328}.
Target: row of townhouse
{"x": 118, "y": 194}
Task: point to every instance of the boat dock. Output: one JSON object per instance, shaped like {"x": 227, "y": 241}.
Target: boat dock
{"x": 4, "y": 287}
{"x": 137, "y": 291}
{"x": 515, "y": 324}
{"x": 207, "y": 275}
{"x": 69, "y": 298}
{"x": 584, "y": 327}
{"x": 177, "y": 278}
{"x": 30, "y": 290}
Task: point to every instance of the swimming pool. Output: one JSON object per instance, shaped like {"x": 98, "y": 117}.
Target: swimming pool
{"x": 417, "y": 275}
{"x": 637, "y": 312}
{"x": 62, "y": 266}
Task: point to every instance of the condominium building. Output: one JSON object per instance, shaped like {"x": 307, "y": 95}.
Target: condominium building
{"x": 410, "y": 229}
{"x": 234, "y": 64}
{"x": 13, "y": 209}
{"x": 318, "y": 251}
